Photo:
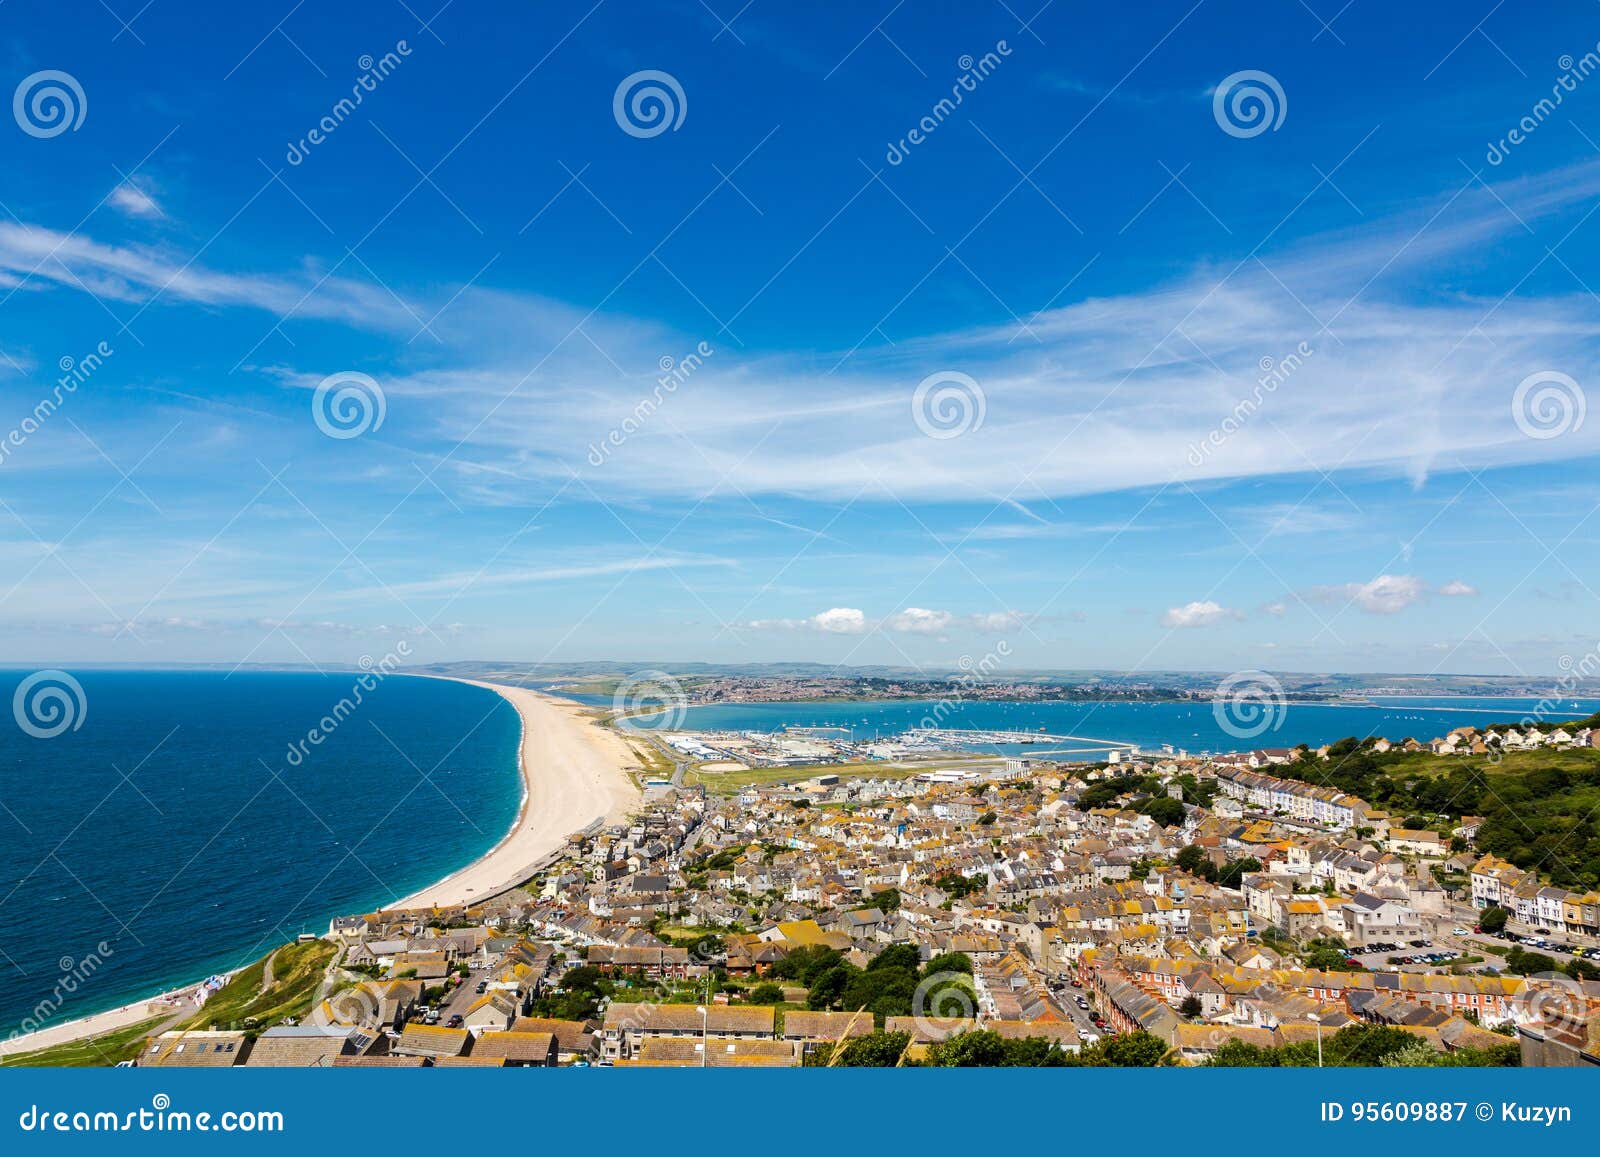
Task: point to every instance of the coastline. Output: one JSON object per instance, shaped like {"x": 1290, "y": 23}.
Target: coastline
{"x": 175, "y": 1002}
{"x": 572, "y": 775}
{"x": 588, "y": 783}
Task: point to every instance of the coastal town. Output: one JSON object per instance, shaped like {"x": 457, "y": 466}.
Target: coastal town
{"x": 958, "y": 909}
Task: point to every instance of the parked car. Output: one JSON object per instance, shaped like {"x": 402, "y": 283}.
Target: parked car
{"x": 1459, "y": 931}
{"x": 455, "y": 1021}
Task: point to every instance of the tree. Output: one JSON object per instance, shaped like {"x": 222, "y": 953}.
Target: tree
{"x": 956, "y": 886}
{"x": 1233, "y": 872}
{"x": 828, "y": 987}
{"x": 897, "y": 956}
{"x": 1165, "y": 810}
{"x": 1419, "y": 1054}
{"x": 1191, "y": 1007}
{"x": 766, "y": 994}
{"x": 878, "y": 1050}
{"x": 948, "y": 962}
{"x": 969, "y": 1050}
{"x": 988, "y": 1049}
{"x": 1493, "y": 919}
{"x": 1237, "y": 1054}
{"x": 885, "y": 901}
{"x": 584, "y": 978}
{"x": 806, "y": 964}
{"x": 987, "y": 818}
{"x": 1133, "y": 1050}
{"x": 1328, "y": 958}
{"x": 1191, "y": 858}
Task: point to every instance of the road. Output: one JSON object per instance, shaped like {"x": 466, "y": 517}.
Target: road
{"x": 1066, "y": 997}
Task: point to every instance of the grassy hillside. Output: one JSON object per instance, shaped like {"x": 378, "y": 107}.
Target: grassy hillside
{"x": 296, "y": 974}
{"x": 107, "y": 1049}
{"x": 1540, "y": 809}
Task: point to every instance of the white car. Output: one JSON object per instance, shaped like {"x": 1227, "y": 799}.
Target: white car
{"x": 1459, "y": 931}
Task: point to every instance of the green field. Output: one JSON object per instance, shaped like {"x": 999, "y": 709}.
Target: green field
{"x": 106, "y": 1049}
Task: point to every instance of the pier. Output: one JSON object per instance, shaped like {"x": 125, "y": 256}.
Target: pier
{"x": 974, "y": 735}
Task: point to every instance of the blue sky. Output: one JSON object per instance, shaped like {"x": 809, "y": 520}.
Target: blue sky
{"x": 1077, "y": 363}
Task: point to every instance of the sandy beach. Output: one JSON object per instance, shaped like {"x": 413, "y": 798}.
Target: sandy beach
{"x": 168, "y": 1004}
{"x": 572, "y": 774}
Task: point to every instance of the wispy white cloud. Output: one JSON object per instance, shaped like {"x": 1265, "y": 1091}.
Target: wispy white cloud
{"x": 1206, "y": 613}
{"x": 911, "y": 621}
{"x": 1456, "y": 589}
{"x": 1387, "y": 594}
{"x": 142, "y": 274}
{"x": 1106, "y": 394}
{"x": 134, "y": 200}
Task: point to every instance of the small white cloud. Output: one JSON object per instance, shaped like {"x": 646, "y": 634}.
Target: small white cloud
{"x": 1276, "y": 610}
{"x": 918, "y": 621}
{"x": 998, "y": 620}
{"x": 840, "y": 621}
{"x": 1456, "y": 589}
{"x": 134, "y": 201}
{"x": 1197, "y": 614}
{"x": 1387, "y": 594}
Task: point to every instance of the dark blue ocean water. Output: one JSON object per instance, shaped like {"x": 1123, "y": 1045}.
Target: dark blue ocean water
{"x": 173, "y": 825}
{"x": 1190, "y": 726}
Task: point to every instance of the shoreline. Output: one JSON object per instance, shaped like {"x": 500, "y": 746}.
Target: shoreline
{"x": 554, "y": 731}
{"x": 163, "y": 1006}
{"x": 573, "y": 773}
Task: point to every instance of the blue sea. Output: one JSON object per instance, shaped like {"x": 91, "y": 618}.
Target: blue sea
{"x": 186, "y": 820}
{"x": 1187, "y": 726}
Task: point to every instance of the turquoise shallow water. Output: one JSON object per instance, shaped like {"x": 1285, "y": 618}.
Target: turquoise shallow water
{"x": 1190, "y": 726}
{"x": 174, "y": 825}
